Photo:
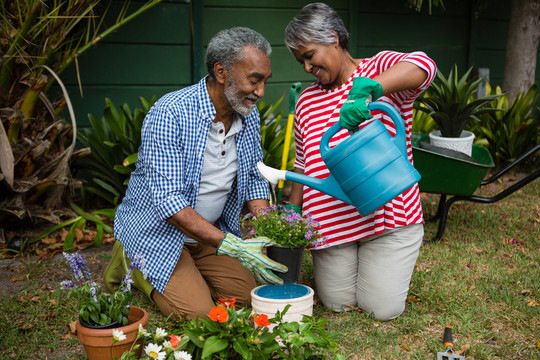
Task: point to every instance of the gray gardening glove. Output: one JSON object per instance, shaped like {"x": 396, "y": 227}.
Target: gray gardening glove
{"x": 249, "y": 253}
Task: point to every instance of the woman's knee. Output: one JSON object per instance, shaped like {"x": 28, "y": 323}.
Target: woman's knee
{"x": 382, "y": 310}
{"x": 337, "y": 301}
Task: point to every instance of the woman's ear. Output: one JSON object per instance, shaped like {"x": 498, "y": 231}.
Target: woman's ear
{"x": 336, "y": 38}
{"x": 220, "y": 72}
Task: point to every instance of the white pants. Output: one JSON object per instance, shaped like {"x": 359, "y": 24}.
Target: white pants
{"x": 373, "y": 273}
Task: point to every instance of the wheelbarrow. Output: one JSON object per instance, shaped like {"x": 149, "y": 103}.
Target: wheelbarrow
{"x": 457, "y": 179}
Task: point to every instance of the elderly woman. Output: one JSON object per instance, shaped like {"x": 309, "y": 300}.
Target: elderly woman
{"x": 365, "y": 261}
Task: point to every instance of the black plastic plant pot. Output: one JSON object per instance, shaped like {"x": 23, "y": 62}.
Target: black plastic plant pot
{"x": 290, "y": 257}
{"x": 112, "y": 325}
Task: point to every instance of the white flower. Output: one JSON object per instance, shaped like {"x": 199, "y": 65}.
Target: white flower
{"x": 118, "y": 335}
{"x": 181, "y": 355}
{"x": 160, "y": 333}
{"x": 153, "y": 352}
{"x": 142, "y": 331}
{"x": 167, "y": 345}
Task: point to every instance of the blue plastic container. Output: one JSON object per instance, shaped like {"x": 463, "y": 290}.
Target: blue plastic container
{"x": 286, "y": 291}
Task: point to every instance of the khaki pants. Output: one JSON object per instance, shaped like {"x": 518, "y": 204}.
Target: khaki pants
{"x": 200, "y": 278}
{"x": 373, "y": 273}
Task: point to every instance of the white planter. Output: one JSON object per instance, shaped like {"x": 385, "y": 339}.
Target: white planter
{"x": 463, "y": 143}
{"x": 268, "y": 299}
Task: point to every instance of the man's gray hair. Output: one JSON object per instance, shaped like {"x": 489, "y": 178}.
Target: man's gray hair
{"x": 316, "y": 23}
{"x": 227, "y": 45}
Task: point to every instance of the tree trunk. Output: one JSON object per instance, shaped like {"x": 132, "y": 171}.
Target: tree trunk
{"x": 522, "y": 46}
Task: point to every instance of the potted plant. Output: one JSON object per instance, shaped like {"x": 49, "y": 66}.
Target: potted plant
{"x": 107, "y": 324}
{"x": 291, "y": 232}
{"x": 451, "y": 104}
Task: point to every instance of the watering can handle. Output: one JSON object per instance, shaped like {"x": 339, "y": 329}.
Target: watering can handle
{"x": 398, "y": 139}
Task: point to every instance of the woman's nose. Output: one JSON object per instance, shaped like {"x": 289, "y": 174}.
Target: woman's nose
{"x": 308, "y": 67}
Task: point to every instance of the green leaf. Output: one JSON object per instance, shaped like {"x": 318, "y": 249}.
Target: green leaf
{"x": 69, "y": 240}
{"x": 194, "y": 337}
{"x": 110, "y": 213}
{"x": 131, "y": 159}
{"x": 242, "y": 348}
{"x": 213, "y": 345}
{"x": 53, "y": 229}
{"x": 83, "y": 314}
{"x": 90, "y": 217}
{"x": 122, "y": 169}
{"x": 98, "y": 240}
{"x": 94, "y": 317}
{"x": 106, "y": 186}
{"x": 110, "y": 144}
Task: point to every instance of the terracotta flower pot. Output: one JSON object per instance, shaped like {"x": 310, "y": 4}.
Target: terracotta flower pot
{"x": 98, "y": 343}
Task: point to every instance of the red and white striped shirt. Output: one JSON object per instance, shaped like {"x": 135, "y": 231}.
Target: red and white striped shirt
{"x": 317, "y": 110}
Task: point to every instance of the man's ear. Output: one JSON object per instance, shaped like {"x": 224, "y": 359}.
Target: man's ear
{"x": 220, "y": 73}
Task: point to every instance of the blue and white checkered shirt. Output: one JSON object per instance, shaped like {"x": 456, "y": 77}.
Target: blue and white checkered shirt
{"x": 168, "y": 175}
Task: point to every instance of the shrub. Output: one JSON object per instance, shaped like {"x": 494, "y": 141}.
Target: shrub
{"x": 114, "y": 141}
{"x": 513, "y": 130}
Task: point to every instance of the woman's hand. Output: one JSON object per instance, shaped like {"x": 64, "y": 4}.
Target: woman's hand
{"x": 355, "y": 111}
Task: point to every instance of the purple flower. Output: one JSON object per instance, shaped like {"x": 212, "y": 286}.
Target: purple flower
{"x": 140, "y": 263}
{"x": 68, "y": 284}
{"x": 93, "y": 291}
{"x": 79, "y": 268}
{"x": 125, "y": 286}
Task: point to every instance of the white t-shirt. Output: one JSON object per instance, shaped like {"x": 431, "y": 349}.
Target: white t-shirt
{"x": 218, "y": 172}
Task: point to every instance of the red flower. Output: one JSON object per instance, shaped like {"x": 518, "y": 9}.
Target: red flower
{"x": 218, "y": 314}
{"x": 261, "y": 320}
{"x": 175, "y": 340}
{"x": 227, "y": 303}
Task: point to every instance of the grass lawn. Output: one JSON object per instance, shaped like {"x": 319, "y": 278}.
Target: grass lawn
{"x": 482, "y": 278}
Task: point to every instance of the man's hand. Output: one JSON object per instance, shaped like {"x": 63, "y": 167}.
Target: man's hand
{"x": 249, "y": 253}
{"x": 355, "y": 111}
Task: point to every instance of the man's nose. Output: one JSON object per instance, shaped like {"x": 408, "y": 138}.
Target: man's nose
{"x": 259, "y": 89}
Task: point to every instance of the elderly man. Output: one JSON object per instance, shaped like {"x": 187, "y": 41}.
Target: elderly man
{"x": 196, "y": 169}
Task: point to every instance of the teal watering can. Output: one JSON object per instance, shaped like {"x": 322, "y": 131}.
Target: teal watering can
{"x": 367, "y": 170}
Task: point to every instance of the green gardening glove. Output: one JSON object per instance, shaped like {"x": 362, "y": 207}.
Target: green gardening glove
{"x": 295, "y": 208}
{"x": 355, "y": 111}
{"x": 249, "y": 253}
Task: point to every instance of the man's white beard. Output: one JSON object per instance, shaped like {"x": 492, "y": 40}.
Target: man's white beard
{"x": 235, "y": 99}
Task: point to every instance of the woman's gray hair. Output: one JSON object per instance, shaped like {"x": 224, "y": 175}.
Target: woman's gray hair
{"x": 316, "y": 23}
{"x": 227, "y": 45}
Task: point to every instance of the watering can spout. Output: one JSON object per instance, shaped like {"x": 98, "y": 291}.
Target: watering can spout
{"x": 328, "y": 186}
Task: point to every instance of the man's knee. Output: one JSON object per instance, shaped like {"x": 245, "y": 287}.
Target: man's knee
{"x": 176, "y": 308}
